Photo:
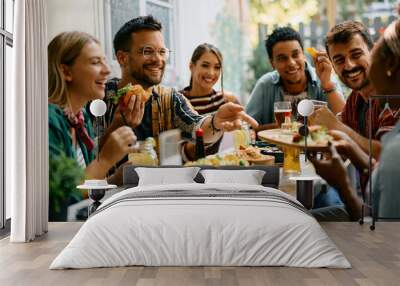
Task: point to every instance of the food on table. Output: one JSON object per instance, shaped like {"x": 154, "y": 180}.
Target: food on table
{"x": 317, "y": 135}
{"x": 144, "y": 154}
{"x": 254, "y": 155}
{"x": 313, "y": 52}
{"x": 127, "y": 91}
{"x": 230, "y": 159}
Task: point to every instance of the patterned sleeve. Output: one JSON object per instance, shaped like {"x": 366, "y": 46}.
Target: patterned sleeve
{"x": 184, "y": 117}
{"x": 386, "y": 124}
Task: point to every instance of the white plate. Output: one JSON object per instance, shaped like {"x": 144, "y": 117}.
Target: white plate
{"x": 92, "y": 187}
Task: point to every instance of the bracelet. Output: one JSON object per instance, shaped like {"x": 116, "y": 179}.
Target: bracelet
{"x": 214, "y": 129}
{"x": 326, "y": 92}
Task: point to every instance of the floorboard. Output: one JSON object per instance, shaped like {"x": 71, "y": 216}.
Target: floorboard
{"x": 374, "y": 255}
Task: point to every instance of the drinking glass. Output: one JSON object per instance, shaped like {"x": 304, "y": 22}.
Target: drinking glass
{"x": 291, "y": 160}
{"x": 318, "y": 104}
{"x": 282, "y": 109}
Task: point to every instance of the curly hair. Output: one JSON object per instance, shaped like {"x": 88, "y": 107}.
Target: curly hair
{"x": 123, "y": 38}
{"x": 343, "y": 32}
{"x": 282, "y": 34}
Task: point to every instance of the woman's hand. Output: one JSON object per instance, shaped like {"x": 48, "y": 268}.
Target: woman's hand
{"x": 348, "y": 147}
{"x": 342, "y": 142}
{"x": 119, "y": 143}
{"x": 229, "y": 116}
{"x": 331, "y": 168}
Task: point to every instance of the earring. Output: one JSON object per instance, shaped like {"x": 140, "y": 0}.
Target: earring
{"x": 388, "y": 73}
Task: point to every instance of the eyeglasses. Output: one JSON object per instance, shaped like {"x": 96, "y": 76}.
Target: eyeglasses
{"x": 149, "y": 52}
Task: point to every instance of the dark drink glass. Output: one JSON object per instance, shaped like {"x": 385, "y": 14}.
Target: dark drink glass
{"x": 281, "y": 110}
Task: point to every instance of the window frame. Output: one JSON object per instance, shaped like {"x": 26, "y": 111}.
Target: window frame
{"x": 6, "y": 39}
{"x": 171, "y": 4}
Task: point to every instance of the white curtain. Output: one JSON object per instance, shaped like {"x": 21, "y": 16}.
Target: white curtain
{"x": 26, "y": 121}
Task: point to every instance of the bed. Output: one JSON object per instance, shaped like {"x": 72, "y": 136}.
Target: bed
{"x": 201, "y": 224}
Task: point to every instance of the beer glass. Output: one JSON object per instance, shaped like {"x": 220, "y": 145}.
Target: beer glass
{"x": 291, "y": 160}
{"x": 318, "y": 104}
{"x": 282, "y": 109}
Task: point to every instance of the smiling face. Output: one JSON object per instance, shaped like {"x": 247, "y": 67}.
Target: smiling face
{"x": 88, "y": 74}
{"x": 147, "y": 71}
{"x": 289, "y": 60}
{"x": 351, "y": 61}
{"x": 206, "y": 71}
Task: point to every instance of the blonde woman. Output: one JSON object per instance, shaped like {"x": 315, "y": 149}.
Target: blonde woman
{"x": 77, "y": 74}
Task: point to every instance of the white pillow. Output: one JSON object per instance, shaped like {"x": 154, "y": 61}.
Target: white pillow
{"x": 166, "y": 176}
{"x": 248, "y": 177}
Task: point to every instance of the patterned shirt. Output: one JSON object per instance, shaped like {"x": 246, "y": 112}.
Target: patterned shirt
{"x": 175, "y": 114}
{"x": 205, "y": 105}
{"x": 356, "y": 115}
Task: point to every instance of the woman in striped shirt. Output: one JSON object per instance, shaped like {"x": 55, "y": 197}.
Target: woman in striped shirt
{"x": 206, "y": 69}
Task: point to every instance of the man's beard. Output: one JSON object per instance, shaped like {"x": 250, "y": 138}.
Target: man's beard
{"x": 294, "y": 82}
{"x": 347, "y": 82}
{"x": 145, "y": 80}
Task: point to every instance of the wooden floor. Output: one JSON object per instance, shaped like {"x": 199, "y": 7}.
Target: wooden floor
{"x": 374, "y": 255}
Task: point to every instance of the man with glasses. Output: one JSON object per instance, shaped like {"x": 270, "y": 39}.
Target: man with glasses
{"x": 142, "y": 55}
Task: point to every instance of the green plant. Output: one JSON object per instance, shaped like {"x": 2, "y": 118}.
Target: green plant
{"x": 64, "y": 175}
{"x": 258, "y": 66}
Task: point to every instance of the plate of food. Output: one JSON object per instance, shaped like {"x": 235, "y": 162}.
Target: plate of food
{"x": 229, "y": 159}
{"x": 254, "y": 156}
{"x": 317, "y": 139}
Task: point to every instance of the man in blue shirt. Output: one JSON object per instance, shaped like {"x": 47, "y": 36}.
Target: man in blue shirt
{"x": 293, "y": 79}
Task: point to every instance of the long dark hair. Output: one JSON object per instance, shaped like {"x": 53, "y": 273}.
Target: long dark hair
{"x": 199, "y": 51}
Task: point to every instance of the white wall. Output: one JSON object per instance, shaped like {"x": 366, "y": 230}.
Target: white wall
{"x": 194, "y": 27}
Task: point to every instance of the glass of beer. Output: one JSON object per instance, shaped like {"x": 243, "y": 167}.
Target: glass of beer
{"x": 291, "y": 160}
{"x": 282, "y": 109}
{"x": 318, "y": 104}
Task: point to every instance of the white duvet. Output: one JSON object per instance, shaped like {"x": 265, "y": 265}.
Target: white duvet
{"x": 185, "y": 230}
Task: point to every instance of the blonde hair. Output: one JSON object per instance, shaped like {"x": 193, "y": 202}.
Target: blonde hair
{"x": 63, "y": 49}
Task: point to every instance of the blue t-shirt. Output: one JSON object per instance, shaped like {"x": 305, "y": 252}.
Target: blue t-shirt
{"x": 269, "y": 89}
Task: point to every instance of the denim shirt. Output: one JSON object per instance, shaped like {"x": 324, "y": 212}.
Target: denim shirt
{"x": 386, "y": 178}
{"x": 269, "y": 89}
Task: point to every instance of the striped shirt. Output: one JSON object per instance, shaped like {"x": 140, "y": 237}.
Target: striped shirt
{"x": 204, "y": 105}
{"x": 356, "y": 114}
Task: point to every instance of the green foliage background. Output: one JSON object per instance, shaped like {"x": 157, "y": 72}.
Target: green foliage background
{"x": 64, "y": 175}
